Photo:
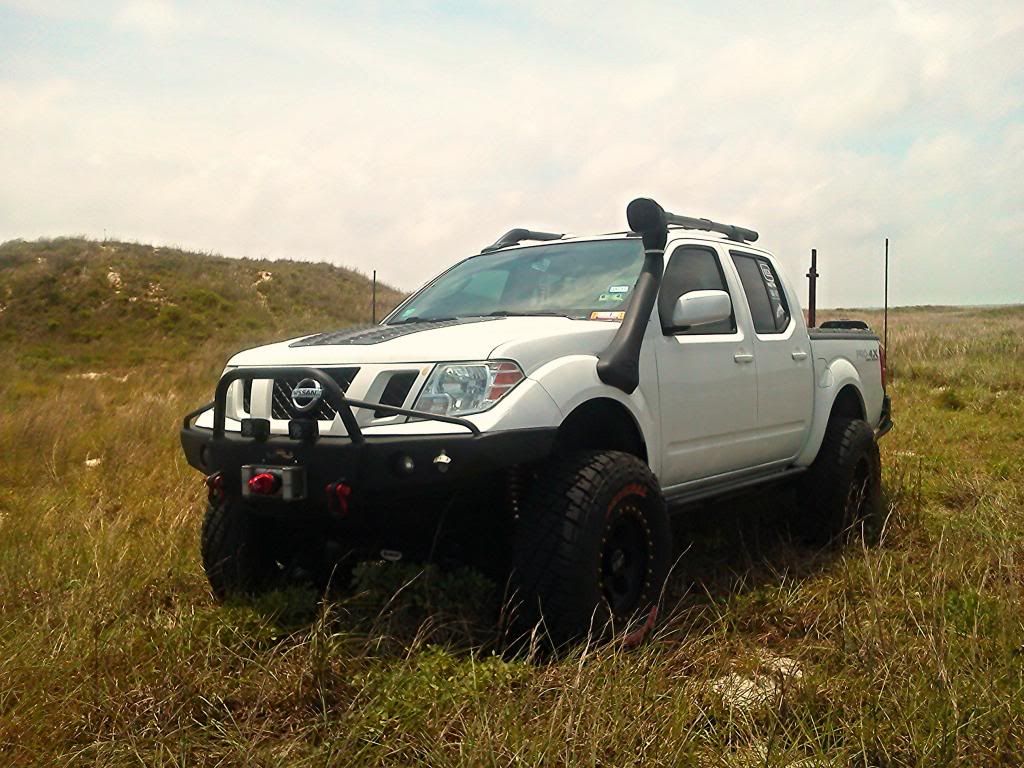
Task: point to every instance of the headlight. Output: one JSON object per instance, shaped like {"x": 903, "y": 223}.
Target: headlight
{"x": 458, "y": 389}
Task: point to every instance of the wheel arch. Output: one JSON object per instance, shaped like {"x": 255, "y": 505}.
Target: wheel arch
{"x": 602, "y": 423}
{"x": 848, "y": 403}
{"x": 838, "y": 394}
{"x": 572, "y": 383}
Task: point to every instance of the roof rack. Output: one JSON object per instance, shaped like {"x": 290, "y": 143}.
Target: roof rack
{"x": 516, "y": 236}
{"x": 731, "y": 231}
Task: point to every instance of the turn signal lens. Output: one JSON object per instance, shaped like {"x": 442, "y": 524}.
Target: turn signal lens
{"x": 504, "y": 376}
{"x": 265, "y": 484}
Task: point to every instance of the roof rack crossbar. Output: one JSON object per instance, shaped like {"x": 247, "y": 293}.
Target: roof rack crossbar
{"x": 516, "y": 236}
{"x": 731, "y": 231}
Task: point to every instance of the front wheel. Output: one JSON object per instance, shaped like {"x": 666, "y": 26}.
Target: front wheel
{"x": 245, "y": 554}
{"x": 235, "y": 547}
{"x": 592, "y": 547}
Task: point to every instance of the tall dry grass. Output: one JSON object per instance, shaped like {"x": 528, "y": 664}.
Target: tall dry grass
{"x": 909, "y": 654}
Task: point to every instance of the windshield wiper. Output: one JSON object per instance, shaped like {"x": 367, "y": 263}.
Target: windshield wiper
{"x": 512, "y": 313}
{"x": 417, "y": 319}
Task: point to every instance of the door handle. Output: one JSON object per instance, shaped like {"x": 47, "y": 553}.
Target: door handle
{"x": 743, "y": 357}
{"x": 799, "y": 354}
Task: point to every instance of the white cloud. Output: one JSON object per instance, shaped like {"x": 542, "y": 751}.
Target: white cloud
{"x": 151, "y": 17}
{"x": 382, "y": 143}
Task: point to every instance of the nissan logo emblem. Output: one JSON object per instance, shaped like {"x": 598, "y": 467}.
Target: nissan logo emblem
{"x": 307, "y": 395}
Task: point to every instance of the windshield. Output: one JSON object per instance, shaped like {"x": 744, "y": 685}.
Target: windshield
{"x": 583, "y": 280}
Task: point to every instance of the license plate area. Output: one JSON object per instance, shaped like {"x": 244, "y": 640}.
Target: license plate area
{"x": 268, "y": 481}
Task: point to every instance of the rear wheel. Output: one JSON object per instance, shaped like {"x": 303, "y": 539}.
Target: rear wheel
{"x": 842, "y": 492}
{"x": 592, "y": 547}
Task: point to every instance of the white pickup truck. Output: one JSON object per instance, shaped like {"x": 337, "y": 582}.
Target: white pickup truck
{"x": 540, "y": 410}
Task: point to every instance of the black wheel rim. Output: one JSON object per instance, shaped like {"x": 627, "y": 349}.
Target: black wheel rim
{"x": 625, "y": 561}
{"x": 857, "y": 497}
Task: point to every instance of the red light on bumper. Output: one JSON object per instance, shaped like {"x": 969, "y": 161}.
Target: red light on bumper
{"x": 215, "y": 488}
{"x": 337, "y": 497}
{"x": 265, "y": 484}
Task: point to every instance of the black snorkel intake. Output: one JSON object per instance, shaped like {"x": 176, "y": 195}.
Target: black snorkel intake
{"x": 619, "y": 364}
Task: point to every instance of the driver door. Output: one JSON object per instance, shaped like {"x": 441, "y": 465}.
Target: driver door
{"x": 707, "y": 376}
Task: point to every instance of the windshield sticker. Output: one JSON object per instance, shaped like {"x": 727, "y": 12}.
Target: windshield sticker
{"x": 614, "y": 316}
{"x": 618, "y": 289}
{"x": 616, "y": 298}
{"x": 767, "y": 272}
{"x": 541, "y": 265}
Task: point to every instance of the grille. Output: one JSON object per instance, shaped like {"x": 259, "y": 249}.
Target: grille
{"x": 395, "y": 392}
{"x": 281, "y": 406}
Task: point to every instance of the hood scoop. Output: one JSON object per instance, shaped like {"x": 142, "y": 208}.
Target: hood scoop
{"x": 377, "y": 334}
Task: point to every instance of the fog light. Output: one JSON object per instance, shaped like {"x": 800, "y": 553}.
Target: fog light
{"x": 405, "y": 465}
{"x": 257, "y": 429}
{"x": 265, "y": 484}
{"x": 303, "y": 429}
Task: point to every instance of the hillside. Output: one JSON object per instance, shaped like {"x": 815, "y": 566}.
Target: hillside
{"x": 71, "y": 302}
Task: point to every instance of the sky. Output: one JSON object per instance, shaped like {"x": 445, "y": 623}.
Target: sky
{"x": 403, "y": 136}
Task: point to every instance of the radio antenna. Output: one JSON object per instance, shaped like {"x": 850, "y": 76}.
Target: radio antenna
{"x": 812, "y": 294}
{"x": 885, "y": 320}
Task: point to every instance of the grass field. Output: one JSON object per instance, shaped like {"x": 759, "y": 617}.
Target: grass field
{"x": 113, "y": 653}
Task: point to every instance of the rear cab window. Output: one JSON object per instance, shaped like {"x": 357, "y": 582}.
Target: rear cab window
{"x": 763, "y": 289}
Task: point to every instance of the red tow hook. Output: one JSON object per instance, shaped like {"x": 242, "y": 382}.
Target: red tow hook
{"x": 265, "y": 484}
{"x": 338, "y": 497}
{"x": 215, "y": 488}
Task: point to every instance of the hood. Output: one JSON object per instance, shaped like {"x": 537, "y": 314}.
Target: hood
{"x": 530, "y": 341}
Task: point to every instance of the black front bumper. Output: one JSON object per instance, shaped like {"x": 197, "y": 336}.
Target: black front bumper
{"x": 376, "y": 464}
{"x": 372, "y": 466}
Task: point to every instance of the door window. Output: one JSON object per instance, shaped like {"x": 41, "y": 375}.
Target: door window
{"x": 692, "y": 268}
{"x": 764, "y": 293}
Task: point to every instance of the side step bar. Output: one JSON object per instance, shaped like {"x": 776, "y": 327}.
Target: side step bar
{"x": 689, "y": 495}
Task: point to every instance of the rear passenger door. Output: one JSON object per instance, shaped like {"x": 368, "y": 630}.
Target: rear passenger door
{"x": 706, "y": 376}
{"x": 785, "y": 381}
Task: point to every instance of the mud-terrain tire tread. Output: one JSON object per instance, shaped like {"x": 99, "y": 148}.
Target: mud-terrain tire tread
{"x": 551, "y": 571}
{"x": 234, "y": 551}
{"x": 826, "y": 485}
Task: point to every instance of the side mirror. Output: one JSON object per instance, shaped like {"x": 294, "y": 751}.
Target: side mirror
{"x": 701, "y": 308}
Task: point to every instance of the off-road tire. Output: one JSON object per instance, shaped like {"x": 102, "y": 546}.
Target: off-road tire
{"x": 236, "y": 552}
{"x": 564, "y": 580}
{"x": 841, "y": 495}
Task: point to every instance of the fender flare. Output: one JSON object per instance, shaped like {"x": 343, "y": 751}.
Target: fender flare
{"x": 572, "y": 381}
{"x": 830, "y": 382}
